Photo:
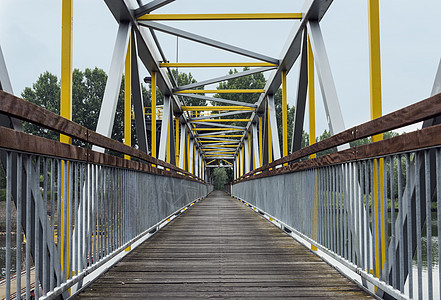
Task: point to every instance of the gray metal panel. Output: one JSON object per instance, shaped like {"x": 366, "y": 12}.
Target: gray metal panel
{"x": 138, "y": 104}
{"x": 113, "y": 85}
{"x": 151, "y": 6}
{"x": 326, "y": 80}
{"x": 273, "y": 123}
{"x": 196, "y": 96}
{"x": 223, "y": 78}
{"x": 207, "y": 41}
{"x": 299, "y": 116}
{"x": 166, "y": 116}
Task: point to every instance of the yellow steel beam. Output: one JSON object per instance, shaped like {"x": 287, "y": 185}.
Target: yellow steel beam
{"x": 217, "y": 65}
{"x": 66, "y": 65}
{"x": 223, "y": 135}
{"x": 216, "y": 129}
{"x": 227, "y": 162}
{"x": 153, "y": 126}
{"x": 249, "y": 152}
{"x": 311, "y": 97}
{"x": 66, "y": 112}
{"x": 376, "y": 112}
{"x": 188, "y": 153}
{"x": 284, "y": 116}
{"x": 220, "y": 17}
{"x": 127, "y": 101}
{"x": 221, "y": 120}
{"x": 202, "y": 141}
{"x": 177, "y": 142}
{"x": 223, "y": 146}
{"x": 236, "y": 91}
{"x": 215, "y": 108}
{"x": 211, "y": 161}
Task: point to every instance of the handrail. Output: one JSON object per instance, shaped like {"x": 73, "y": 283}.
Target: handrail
{"x": 27, "y": 111}
{"x": 420, "y": 139}
{"x": 411, "y": 114}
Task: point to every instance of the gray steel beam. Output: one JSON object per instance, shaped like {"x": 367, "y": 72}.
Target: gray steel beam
{"x": 218, "y": 132}
{"x": 151, "y": 6}
{"x": 232, "y": 141}
{"x": 196, "y": 96}
{"x": 312, "y": 10}
{"x": 5, "y": 85}
{"x": 166, "y": 115}
{"x": 256, "y": 155}
{"x": 326, "y": 80}
{"x": 302, "y": 89}
{"x": 113, "y": 84}
{"x": 5, "y": 82}
{"x": 207, "y": 41}
{"x": 232, "y": 113}
{"x": 273, "y": 124}
{"x": 138, "y": 104}
{"x": 218, "y": 166}
{"x": 222, "y": 78}
{"x": 123, "y": 13}
{"x": 213, "y": 124}
{"x": 183, "y": 147}
{"x": 247, "y": 155}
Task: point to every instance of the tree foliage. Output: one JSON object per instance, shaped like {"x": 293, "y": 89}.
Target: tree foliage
{"x": 87, "y": 94}
{"x": 220, "y": 178}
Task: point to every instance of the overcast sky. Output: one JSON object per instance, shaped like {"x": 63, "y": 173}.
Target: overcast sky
{"x": 30, "y": 37}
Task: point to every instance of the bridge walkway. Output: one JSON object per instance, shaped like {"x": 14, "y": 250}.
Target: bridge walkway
{"x": 221, "y": 249}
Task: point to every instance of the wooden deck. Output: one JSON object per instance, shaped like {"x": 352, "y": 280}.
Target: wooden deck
{"x": 221, "y": 249}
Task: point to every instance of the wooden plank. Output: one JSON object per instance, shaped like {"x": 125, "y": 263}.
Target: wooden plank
{"x": 420, "y": 139}
{"x": 27, "y": 111}
{"x": 220, "y": 248}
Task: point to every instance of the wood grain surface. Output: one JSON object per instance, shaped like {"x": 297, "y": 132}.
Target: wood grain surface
{"x": 221, "y": 249}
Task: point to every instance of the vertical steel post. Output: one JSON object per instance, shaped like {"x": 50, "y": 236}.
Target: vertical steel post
{"x": 66, "y": 103}
{"x": 284, "y": 115}
{"x": 177, "y": 141}
{"x": 311, "y": 97}
{"x": 376, "y": 111}
{"x": 260, "y": 141}
{"x": 127, "y": 100}
{"x": 153, "y": 120}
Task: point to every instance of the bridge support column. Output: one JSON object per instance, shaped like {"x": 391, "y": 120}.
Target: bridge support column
{"x": 299, "y": 116}
{"x": 138, "y": 104}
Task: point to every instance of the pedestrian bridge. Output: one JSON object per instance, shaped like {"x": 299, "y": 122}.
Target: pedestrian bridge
{"x": 336, "y": 219}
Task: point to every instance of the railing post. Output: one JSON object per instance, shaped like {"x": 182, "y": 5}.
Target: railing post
{"x": 376, "y": 111}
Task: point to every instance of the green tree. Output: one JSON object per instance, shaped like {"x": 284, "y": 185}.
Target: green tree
{"x": 254, "y": 81}
{"x": 87, "y": 93}
{"x": 220, "y": 178}
{"x": 184, "y": 79}
{"x": 45, "y": 92}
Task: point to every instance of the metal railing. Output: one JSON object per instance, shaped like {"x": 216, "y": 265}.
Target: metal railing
{"x": 375, "y": 209}
{"x": 71, "y": 211}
